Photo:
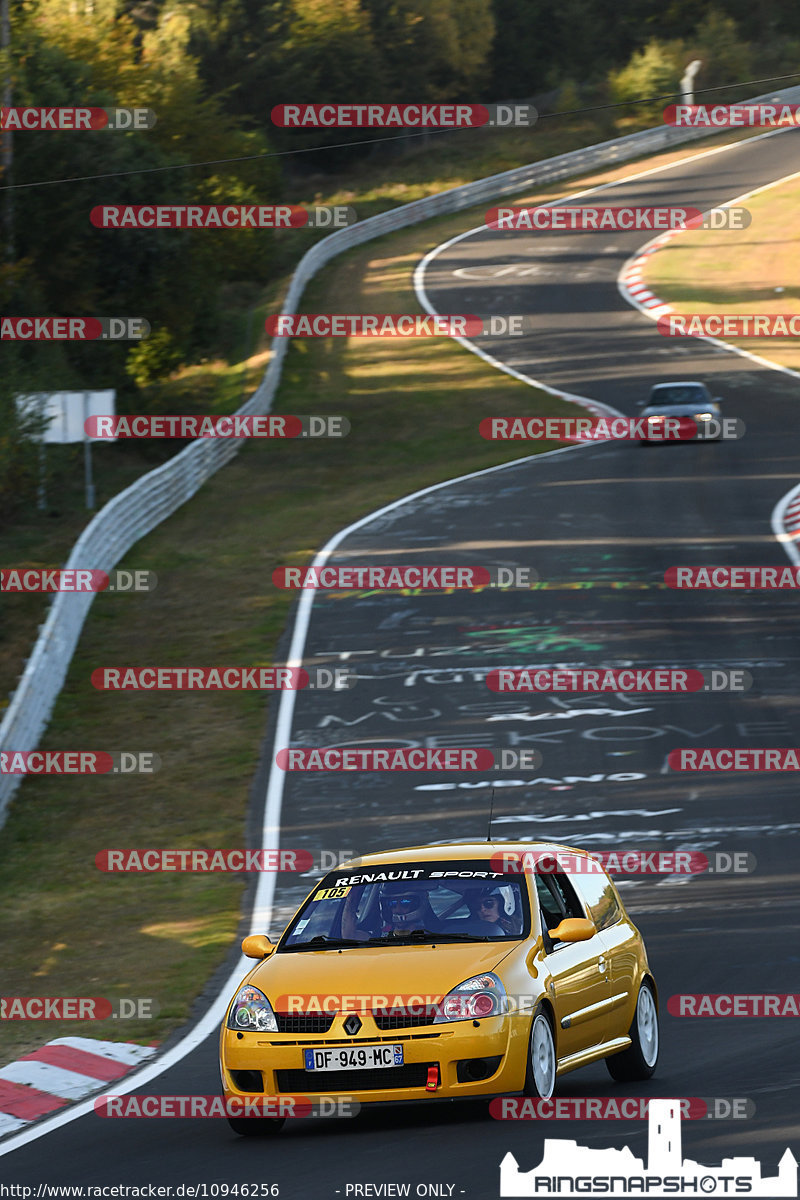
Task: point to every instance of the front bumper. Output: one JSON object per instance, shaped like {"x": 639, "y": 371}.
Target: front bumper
{"x": 276, "y": 1061}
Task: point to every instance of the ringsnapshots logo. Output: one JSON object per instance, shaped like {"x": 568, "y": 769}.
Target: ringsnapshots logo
{"x": 403, "y": 116}
{"x": 568, "y": 1169}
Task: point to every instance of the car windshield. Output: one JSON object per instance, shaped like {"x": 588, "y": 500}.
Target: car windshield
{"x": 411, "y": 902}
{"x": 679, "y": 393}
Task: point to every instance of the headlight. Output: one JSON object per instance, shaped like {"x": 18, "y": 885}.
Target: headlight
{"x": 480, "y": 996}
{"x": 655, "y": 420}
{"x": 704, "y": 416}
{"x": 252, "y": 1011}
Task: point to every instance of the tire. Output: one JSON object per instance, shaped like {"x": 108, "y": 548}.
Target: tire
{"x": 640, "y": 1059}
{"x": 256, "y": 1126}
{"x": 540, "y": 1076}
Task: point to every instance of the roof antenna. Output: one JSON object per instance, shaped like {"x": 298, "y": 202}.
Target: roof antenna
{"x": 491, "y": 810}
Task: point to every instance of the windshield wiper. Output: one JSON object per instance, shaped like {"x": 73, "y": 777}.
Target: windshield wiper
{"x": 418, "y": 934}
{"x": 323, "y": 942}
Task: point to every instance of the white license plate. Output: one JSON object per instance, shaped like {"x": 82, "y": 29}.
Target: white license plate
{"x": 353, "y": 1058}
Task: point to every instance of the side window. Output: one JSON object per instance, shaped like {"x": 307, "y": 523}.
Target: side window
{"x": 557, "y": 899}
{"x": 564, "y": 888}
{"x": 552, "y": 910}
{"x": 600, "y": 897}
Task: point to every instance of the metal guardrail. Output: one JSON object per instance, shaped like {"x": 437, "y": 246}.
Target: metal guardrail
{"x": 137, "y": 510}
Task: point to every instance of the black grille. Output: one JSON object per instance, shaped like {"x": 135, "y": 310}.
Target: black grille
{"x": 248, "y": 1081}
{"x": 473, "y": 1070}
{"x": 404, "y": 1018}
{"x": 304, "y": 1022}
{"x": 409, "y": 1075}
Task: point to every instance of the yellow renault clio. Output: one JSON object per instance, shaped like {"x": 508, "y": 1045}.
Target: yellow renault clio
{"x": 447, "y": 971}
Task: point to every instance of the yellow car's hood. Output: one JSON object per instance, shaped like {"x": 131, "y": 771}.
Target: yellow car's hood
{"x": 376, "y": 970}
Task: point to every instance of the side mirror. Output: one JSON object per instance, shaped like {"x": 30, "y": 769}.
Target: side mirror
{"x": 573, "y": 929}
{"x": 257, "y": 945}
{"x": 716, "y": 399}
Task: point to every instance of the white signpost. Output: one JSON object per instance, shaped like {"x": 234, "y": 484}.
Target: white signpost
{"x": 65, "y": 414}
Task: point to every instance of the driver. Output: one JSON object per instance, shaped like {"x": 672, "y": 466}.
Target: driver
{"x": 405, "y": 908}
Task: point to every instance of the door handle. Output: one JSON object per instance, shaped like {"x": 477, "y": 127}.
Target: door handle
{"x": 601, "y": 963}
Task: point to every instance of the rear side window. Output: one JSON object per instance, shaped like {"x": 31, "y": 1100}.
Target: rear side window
{"x": 600, "y": 897}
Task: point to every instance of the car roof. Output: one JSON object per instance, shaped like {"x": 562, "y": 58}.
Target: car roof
{"x": 679, "y": 383}
{"x": 453, "y": 851}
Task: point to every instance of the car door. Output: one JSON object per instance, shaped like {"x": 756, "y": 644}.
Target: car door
{"x": 620, "y": 942}
{"x": 578, "y": 985}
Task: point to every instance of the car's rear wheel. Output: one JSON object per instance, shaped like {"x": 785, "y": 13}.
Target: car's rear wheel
{"x": 641, "y": 1057}
{"x": 256, "y": 1126}
{"x": 540, "y": 1078}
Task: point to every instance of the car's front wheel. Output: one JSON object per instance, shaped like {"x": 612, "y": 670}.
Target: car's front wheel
{"x": 256, "y": 1126}
{"x": 640, "y": 1059}
{"x": 540, "y": 1079}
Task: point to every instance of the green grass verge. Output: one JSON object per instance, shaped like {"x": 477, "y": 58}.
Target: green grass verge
{"x": 735, "y": 272}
